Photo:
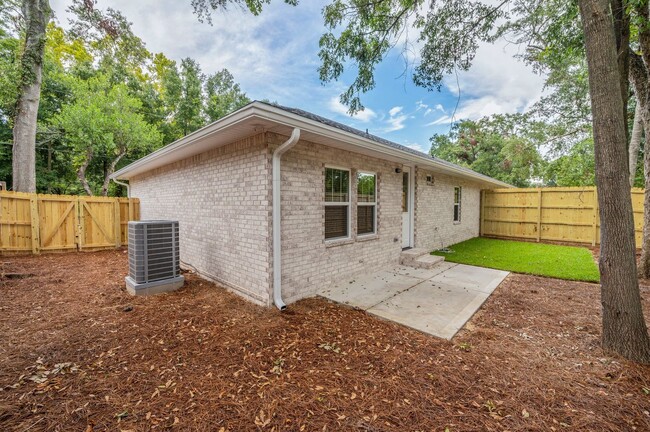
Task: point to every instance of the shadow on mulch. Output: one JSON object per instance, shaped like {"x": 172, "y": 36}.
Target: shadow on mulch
{"x": 78, "y": 353}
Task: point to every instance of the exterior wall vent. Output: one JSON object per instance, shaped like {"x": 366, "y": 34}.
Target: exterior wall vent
{"x": 154, "y": 259}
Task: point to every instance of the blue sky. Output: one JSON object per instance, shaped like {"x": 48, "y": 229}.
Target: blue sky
{"x": 275, "y": 56}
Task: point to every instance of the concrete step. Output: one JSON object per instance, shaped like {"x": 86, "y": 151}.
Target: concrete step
{"x": 409, "y": 256}
{"x": 428, "y": 261}
{"x": 419, "y": 258}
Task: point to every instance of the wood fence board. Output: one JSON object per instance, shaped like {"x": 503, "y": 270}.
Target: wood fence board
{"x": 35, "y": 222}
{"x": 568, "y": 214}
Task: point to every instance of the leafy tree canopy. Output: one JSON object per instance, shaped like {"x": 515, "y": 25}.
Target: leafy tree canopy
{"x": 105, "y": 99}
{"x": 492, "y": 146}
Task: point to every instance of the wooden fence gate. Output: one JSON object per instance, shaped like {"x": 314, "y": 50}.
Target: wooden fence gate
{"x": 38, "y": 222}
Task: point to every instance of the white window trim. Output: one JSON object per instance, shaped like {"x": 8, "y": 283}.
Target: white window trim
{"x": 374, "y": 203}
{"x": 339, "y": 204}
{"x": 459, "y": 204}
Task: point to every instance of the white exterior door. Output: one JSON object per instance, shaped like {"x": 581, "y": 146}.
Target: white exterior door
{"x": 407, "y": 207}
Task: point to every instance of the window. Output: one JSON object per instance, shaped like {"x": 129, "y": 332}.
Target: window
{"x": 337, "y": 203}
{"x": 366, "y": 203}
{"x": 457, "y": 199}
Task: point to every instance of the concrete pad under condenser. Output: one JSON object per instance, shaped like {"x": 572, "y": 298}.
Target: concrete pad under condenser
{"x": 367, "y": 290}
{"x": 152, "y": 288}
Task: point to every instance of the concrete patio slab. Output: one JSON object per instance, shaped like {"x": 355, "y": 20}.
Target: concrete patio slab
{"x": 366, "y": 291}
{"x": 437, "y": 301}
{"x": 423, "y": 274}
{"x": 472, "y": 277}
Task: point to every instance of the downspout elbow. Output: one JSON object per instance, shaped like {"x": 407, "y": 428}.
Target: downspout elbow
{"x": 277, "y": 217}
{"x": 126, "y": 185}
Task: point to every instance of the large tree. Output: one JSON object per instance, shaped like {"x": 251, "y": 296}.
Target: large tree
{"x": 223, "y": 95}
{"x": 495, "y": 146}
{"x": 624, "y": 328}
{"x": 100, "y": 45}
{"x": 102, "y": 125}
{"x": 36, "y": 15}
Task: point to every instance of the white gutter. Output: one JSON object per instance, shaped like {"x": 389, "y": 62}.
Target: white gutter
{"x": 277, "y": 218}
{"x": 262, "y": 111}
{"x": 126, "y": 185}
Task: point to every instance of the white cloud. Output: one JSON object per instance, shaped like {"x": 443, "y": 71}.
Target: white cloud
{"x": 417, "y": 146}
{"x": 396, "y": 120}
{"x": 336, "y": 106}
{"x": 266, "y": 58}
{"x": 439, "y": 107}
{"x": 497, "y": 83}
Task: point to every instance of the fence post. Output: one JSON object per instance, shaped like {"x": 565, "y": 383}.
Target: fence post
{"x": 539, "y": 214}
{"x": 482, "y": 225}
{"x": 78, "y": 211}
{"x": 35, "y": 222}
{"x": 594, "y": 223}
{"x": 117, "y": 224}
{"x": 131, "y": 215}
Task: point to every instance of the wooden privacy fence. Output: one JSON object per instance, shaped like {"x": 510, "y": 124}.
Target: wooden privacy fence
{"x": 554, "y": 214}
{"x": 37, "y": 222}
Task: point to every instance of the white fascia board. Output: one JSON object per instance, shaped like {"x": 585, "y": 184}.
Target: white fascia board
{"x": 282, "y": 117}
{"x": 294, "y": 120}
{"x": 178, "y": 145}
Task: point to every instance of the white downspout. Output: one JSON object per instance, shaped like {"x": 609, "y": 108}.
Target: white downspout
{"x": 277, "y": 218}
{"x": 126, "y": 185}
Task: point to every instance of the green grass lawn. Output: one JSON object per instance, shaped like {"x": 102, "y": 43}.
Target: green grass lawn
{"x": 562, "y": 262}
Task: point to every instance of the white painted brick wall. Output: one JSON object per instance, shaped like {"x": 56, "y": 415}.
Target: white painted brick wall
{"x": 221, "y": 199}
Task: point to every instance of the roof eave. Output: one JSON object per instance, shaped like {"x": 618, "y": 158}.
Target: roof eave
{"x": 289, "y": 119}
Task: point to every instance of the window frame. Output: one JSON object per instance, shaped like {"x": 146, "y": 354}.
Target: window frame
{"x": 337, "y": 203}
{"x": 367, "y": 204}
{"x": 458, "y": 204}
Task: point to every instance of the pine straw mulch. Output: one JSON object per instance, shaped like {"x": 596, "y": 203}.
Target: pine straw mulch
{"x": 79, "y": 354}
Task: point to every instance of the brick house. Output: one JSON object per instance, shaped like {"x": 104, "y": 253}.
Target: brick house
{"x": 277, "y": 203}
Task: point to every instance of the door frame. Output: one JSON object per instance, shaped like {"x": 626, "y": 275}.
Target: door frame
{"x": 411, "y": 205}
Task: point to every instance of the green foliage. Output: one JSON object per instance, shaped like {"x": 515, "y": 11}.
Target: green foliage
{"x": 499, "y": 146}
{"x": 223, "y": 95}
{"x": 363, "y": 32}
{"x": 105, "y": 99}
{"x": 203, "y": 8}
{"x": 576, "y": 168}
{"x": 103, "y": 123}
{"x": 189, "y": 116}
{"x": 561, "y": 262}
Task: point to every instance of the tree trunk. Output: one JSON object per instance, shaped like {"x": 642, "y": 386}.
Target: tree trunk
{"x": 621, "y": 19}
{"x": 110, "y": 170}
{"x": 624, "y": 328}
{"x": 36, "y": 14}
{"x": 640, "y": 81}
{"x": 81, "y": 172}
{"x": 635, "y": 141}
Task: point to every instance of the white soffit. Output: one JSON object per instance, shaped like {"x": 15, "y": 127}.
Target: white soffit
{"x": 259, "y": 117}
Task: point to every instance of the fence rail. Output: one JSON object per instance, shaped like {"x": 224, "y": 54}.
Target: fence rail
{"x": 549, "y": 214}
{"x": 39, "y": 222}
